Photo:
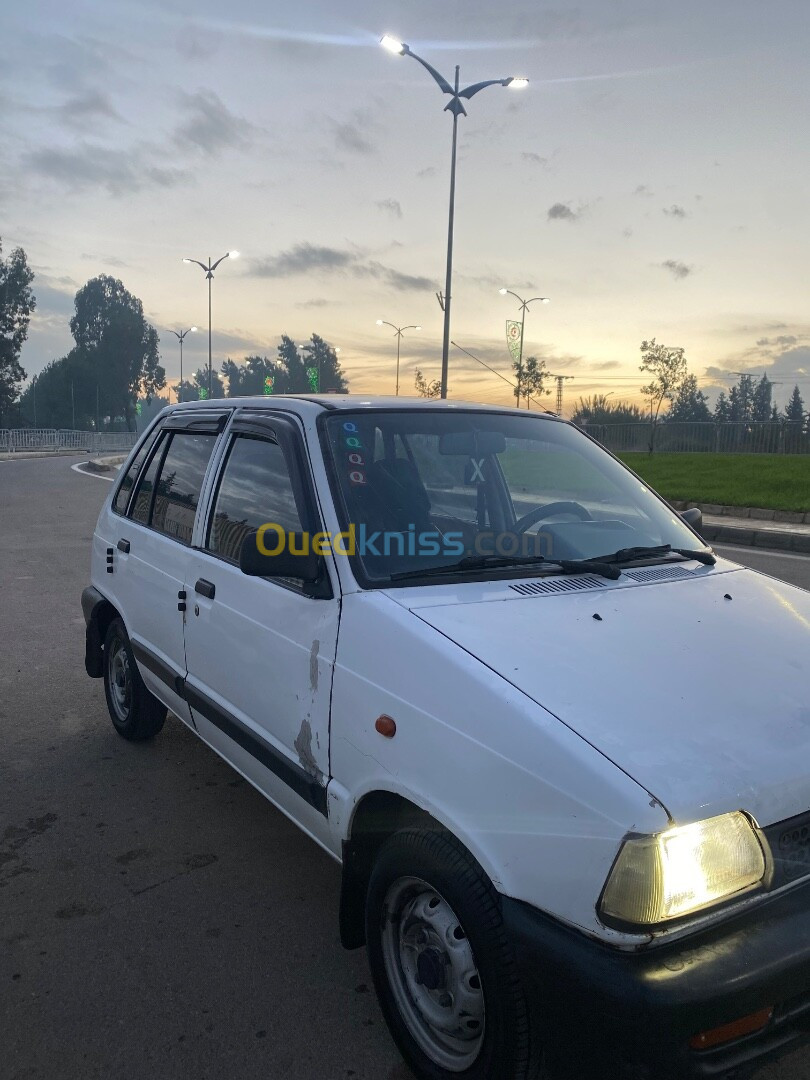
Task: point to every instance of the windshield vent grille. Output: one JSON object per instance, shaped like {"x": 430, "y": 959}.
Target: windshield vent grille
{"x": 557, "y": 585}
{"x": 659, "y": 573}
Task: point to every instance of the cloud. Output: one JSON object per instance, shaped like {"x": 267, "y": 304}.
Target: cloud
{"x": 210, "y": 126}
{"x": 606, "y": 365}
{"x": 784, "y": 340}
{"x": 535, "y": 159}
{"x": 85, "y": 107}
{"x": 675, "y": 211}
{"x": 390, "y": 206}
{"x": 423, "y": 174}
{"x": 316, "y": 302}
{"x": 353, "y": 134}
{"x": 678, "y": 269}
{"x": 309, "y": 258}
{"x": 644, "y": 191}
{"x": 85, "y": 166}
{"x": 563, "y": 212}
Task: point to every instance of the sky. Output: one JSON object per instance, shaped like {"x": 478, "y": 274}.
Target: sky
{"x": 651, "y": 180}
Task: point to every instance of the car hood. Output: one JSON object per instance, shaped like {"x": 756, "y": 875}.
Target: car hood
{"x": 696, "y": 685}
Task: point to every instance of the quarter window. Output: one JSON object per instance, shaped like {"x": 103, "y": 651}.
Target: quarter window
{"x": 142, "y": 502}
{"x": 179, "y": 484}
{"x": 255, "y": 490}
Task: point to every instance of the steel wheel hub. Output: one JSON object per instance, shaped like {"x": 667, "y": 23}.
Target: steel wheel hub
{"x": 120, "y": 681}
{"x": 432, "y": 973}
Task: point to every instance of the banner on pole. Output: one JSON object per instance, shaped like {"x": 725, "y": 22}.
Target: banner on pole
{"x": 513, "y": 337}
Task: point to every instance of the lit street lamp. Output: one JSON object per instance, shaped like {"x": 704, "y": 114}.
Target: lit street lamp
{"x": 524, "y": 307}
{"x": 180, "y": 335}
{"x": 398, "y": 330}
{"x": 209, "y": 273}
{"x": 456, "y": 106}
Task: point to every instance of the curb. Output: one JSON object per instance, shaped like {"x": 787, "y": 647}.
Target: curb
{"x": 798, "y": 543}
{"x": 791, "y": 517}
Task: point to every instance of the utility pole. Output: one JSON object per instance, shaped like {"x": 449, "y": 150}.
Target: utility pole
{"x": 560, "y": 380}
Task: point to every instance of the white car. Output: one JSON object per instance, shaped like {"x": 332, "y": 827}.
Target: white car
{"x": 561, "y": 750}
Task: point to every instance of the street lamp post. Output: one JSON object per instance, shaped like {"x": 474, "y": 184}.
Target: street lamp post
{"x": 456, "y": 107}
{"x": 181, "y": 335}
{"x": 524, "y": 307}
{"x": 399, "y": 331}
{"x": 209, "y": 273}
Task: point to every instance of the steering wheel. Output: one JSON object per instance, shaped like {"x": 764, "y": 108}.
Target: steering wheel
{"x": 540, "y": 512}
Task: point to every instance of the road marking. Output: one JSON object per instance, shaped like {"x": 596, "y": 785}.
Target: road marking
{"x": 78, "y": 467}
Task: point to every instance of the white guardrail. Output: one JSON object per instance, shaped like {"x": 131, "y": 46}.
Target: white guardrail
{"x": 14, "y": 440}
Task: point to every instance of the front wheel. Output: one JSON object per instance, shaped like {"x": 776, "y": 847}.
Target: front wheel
{"x": 136, "y": 714}
{"x": 443, "y": 968}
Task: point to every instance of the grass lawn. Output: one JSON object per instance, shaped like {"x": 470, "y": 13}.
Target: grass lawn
{"x": 772, "y": 481}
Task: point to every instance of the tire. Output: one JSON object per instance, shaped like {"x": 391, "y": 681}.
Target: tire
{"x": 136, "y": 714}
{"x": 443, "y": 967}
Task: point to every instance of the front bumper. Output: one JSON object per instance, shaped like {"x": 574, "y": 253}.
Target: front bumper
{"x": 611, "y": 1013}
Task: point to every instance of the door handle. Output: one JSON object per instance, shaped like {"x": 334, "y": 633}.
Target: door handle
{"x": 205, "y": 588}
{"x": 123, "y": 545}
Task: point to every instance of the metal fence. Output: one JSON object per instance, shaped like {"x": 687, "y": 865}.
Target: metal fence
{"x": 13, "y": 440}
{"x": 768, "y": 437}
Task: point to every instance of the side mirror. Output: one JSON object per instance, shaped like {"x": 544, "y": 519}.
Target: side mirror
{"x": 256, "y": 563}
{"x": 694, "y": 517}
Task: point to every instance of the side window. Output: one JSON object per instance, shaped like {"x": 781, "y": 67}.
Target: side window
{"x": 141, "y": 503}
{"x": 122, "y": 495}
{"x": 255, "y": 488}
{"x": 179, "y": 484}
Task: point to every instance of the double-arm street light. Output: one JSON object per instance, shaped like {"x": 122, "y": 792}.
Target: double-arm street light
{"x": 456, "y": 106}
{"x": 209, "y": 273}
{"x": 399, "y": 331}
{"x": 181, "y": 336}
{"x": 524, "y": 307}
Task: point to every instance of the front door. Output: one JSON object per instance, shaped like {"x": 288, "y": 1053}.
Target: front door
{"x": 260, "y": 652}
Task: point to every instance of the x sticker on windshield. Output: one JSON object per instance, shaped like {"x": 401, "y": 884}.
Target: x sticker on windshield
{"x": 477, "y": 474}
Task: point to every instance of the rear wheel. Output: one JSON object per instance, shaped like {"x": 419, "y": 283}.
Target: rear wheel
{"x": 136, "y": 714}
{"x": 442, "y": 965}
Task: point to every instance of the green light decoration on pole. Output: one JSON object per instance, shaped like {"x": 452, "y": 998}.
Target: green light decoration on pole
{"x": 268, "y": 384}
{"x": 138, "y": 408}
{"x": 314, "y": 381}
{"x": 203, "y": 393}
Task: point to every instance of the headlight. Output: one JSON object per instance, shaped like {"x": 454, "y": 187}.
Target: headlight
{"x": 682, "y": 870}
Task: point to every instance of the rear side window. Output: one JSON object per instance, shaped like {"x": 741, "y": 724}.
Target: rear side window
{"x": 125, "y": 487}
{"x": 255, "y": 489}
{"x": 142, "y": 501}
{"x": 179, "y": 484}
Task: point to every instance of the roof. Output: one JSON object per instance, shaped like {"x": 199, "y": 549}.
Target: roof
{"x": 313, "y": 403}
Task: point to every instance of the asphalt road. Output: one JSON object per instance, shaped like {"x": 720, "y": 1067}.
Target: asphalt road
{"x": 157, "y": 916}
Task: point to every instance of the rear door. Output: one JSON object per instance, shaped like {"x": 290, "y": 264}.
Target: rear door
{"x": 260, "y": 652}
{"x": 153, "y": 548}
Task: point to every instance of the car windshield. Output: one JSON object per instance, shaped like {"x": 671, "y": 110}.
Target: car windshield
{"x": 419, "y": 489}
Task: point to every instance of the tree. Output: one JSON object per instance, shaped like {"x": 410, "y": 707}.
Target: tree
{"x": 293, "y": 363}
{"x": 599, "y": 410}
{"x": 200, "y": 387}
{"x": 741, "y": 400}
{"x": 530, "y": 377}
{"x": 689, "y": 403}
{"x": 722, "y": 408}
{"x": 189, "y": 391}
{"x": 794, "y": 412}
{"x": 323, "y": 358}
{"x": 761, "y": 400}
{"x": 248, "y": 378}
{"x": 17, "y": 302}
{"x": 424, "y": 388}
{"x": 111, "y": 331}
{"x": 667, "y": 366}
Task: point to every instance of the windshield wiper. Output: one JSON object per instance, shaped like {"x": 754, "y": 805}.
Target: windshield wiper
{"x": 495, "y": 562}
{"x": 629, "y": 554}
